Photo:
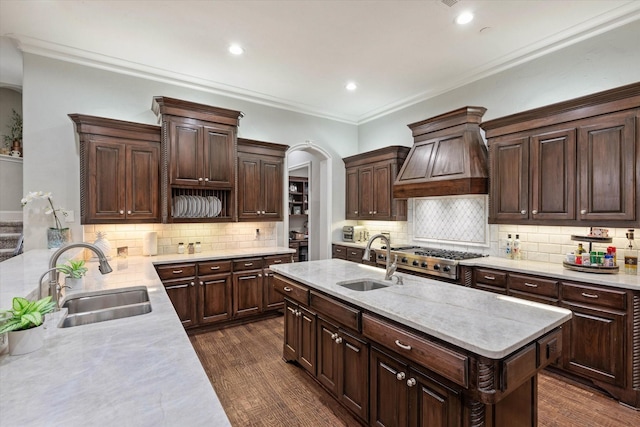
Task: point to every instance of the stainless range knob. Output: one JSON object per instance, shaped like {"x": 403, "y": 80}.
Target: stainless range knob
{"x": 446, "y": 268}
{"x": 424, "y": 265}
{"x": 436, "y": 267}
{"x": 404, "y": 259}
{"x": 416, "y": 263}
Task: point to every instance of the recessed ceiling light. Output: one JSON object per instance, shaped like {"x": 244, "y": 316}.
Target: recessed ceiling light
{"x": 351, "y": 86}
{"x": 464, "y": 18}
{"x": 236, "y": 49}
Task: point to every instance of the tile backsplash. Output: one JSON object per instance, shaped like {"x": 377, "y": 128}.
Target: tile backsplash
{"x": 211, "y": 236}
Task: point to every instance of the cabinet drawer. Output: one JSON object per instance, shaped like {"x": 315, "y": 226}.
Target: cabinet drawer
{"x": 213, "y": 267}
{"x": 175, "y": 271}
{"x": 491, "y": 277}
{"x": 355, "y": 254}
{"x": 339, "y": 252}
{"x": 337, "y": 311}
{"x": 449, "y": 364}
{"x": 534, "y": 285}
{"x": 291, "y": 289}
{"x": 247, "y": 264}
{"x": 573, "y": 292}
{"x": 277, "y": 259}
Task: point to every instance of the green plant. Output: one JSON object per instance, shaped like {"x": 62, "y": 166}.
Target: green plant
{"x": 15, "y": 128}
{"x": 26, "y": 314}
{"x": 73, "y": 269}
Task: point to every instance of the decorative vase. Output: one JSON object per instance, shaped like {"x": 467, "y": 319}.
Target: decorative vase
{"x": 57, "y": 237}
{"x": 73, "y": 283}
{"x": 26, "y": 341}
{"x": 102, "y": 243}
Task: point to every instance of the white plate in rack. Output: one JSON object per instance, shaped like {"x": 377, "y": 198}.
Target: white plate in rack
{"x": 217, "y": 206}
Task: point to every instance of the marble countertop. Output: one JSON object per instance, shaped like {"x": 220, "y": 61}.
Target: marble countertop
{"x": 484, "y": 323}
{"x": 140, "y": 370}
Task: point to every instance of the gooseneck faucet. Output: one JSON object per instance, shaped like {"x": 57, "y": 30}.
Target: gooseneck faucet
{"x": 391, "y": 267}
{"x": 54, "y": 286}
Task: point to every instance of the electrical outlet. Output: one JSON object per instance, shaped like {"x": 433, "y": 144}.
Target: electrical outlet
{"x": 69, "y": 216}
{"x": 257, "y": 234}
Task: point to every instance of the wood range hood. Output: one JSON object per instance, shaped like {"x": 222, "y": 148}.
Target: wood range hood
{"x": 448, "y": 157}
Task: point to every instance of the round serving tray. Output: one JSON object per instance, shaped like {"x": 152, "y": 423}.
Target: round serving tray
{"x": 599, "y": 269}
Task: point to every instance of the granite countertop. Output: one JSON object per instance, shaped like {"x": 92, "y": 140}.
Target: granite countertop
{"x": 484, "y": 323}
{"x": 140, "y": 370}
{"x": 618, "y": 280}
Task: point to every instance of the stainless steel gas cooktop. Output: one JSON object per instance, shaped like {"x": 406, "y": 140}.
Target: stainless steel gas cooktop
{"x": 429, "y": 261}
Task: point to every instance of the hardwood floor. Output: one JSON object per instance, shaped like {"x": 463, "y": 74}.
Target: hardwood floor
{"x": 257, "y": 388}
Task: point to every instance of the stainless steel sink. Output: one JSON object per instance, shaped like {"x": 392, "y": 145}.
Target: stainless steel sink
{"x": 364, "y": 284}
{"x": 106, "y": 305}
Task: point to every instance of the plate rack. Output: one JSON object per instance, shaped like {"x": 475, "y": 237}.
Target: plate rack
{"x": 206, "y": 205}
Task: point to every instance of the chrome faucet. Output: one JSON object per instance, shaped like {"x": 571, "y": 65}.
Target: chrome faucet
{"x": 391, "y": 267}
{"x": 54, "y": 286}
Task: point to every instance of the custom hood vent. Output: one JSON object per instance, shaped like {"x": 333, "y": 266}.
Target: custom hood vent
{"x": 448, "y": 157}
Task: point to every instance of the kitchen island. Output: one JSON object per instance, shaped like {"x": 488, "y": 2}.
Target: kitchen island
{"x": 438, "y": 353}
{"x": 135, "y": 371}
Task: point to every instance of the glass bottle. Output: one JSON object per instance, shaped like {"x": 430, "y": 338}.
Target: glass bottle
{"x": 517, "y": 252}
{"x": 198, "y": 247}
{"x": 631, "y": 255}
{"x": 508, "y": 249}
{"x": 191, "y": 249}
{"x": 180, "y": 248}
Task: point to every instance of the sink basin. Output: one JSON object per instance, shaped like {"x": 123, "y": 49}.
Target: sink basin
{"x": 106, "y": 305}
{"x": 364, "y": 284}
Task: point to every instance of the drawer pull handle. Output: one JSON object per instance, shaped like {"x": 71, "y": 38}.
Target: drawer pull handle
{"x": 278, "y": 261}
{"x": 249, "y": 277}
{"x": 217, "y": 267}
{"x": 403, "y": 346}
{"x": 287, "y": 289}
{"x": 489, "y": 277}
{"x": 177, "y": 271}
{"x": 584, "y": 294}
{"x": 531, "y": 285}
{"x": 354, "y": 253}
{"x": 248, "y": 264}
{"x": 401, "y": 375}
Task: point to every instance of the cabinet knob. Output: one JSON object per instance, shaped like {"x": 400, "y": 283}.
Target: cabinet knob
{"x": 192, "y": 284}
{"x": 201, "y": 283}
{"x": 121, "y": 212}
{"x": 263, "y": 212}
{"x": 206, "y": 180}
{"x": 128, "y": 212}
{"x": 334, "y": 336}
{"x": 298, "y": 313}
{"x": 355, "y": 212}
{"x": 583, "y": 211}
{"x": 411, "y": 382}
{"x": 257, "y": 212}
{"x": 287, "y": 289}
{"x": 200, "y": 179}
{"x": 339, "y": 340}
{"x": 535, "y": 212}
{"x": 400, "y": 376}
{"x": 375, "y": 212}
{"x": 523, "y": 212}
{"x": 370, "y": 213}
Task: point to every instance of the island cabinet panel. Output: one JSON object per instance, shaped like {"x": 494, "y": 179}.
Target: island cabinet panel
{"x": 300, "y": 336}
{"x": 343, "y": 367}
{"x": 571, "y": 163}
{"x": 273, "y": 300}
{"x": 341, "y": 313}
{"x": 291, "y": 290}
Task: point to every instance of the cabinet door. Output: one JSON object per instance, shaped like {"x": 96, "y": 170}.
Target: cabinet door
{"x": 328, "y": 356}
{"x": 182, "y": 294}
{"x": 594, "y": 344}
{"x": 352, "y": 194}
{"x": 365, "y": 188}
{"x": 553, "y": 175}
{"x": 106, "y": 198}
{"x": 218, "y": 157}
{"x": 388, "y": 391}
{"x": 382, "y": 191}
{"x": 431, "y": 403}
{"x": 247, "y": 293}
{"x": 214, "y": 299}
{"x": 272, "y": 189}
{"x": 353, "y": 378}
{"x": 607, "y": 162}
{"x": 307, "y": 340}
{"x": 290, "y": 348}
{"x": 272, "y": 300}
{"x": 186, "y": 154}
{"x": 509, "y": 189}
{"x": 142, "y": 182}
{"x": 249, "y": 192}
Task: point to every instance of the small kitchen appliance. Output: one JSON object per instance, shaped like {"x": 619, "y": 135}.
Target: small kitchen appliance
{"x": 354, "y": 233}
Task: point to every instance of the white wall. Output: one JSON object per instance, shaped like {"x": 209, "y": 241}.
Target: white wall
{"x": 53, "y": 89}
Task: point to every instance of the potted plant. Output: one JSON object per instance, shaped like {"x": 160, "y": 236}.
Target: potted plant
{"x": 74, "y": 271}
{"x": 24, "y": 324}
{"x": 57, "y": 236}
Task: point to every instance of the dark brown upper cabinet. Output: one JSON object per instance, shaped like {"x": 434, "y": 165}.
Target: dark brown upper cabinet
{"x": 200, "y": 161}
{"x": 260, "y": 180}
{"x": 571, "y": 163}
{"x": 119, "y": 170}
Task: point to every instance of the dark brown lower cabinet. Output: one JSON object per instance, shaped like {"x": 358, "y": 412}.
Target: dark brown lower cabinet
{"x": 343, "y": 367}
{"x": 300, "y": 336}
{"x": 402, "y": 396}
{"x": 272, "y": 300}
{"x": 214, "y": 299}
{"x": 247, "y": 293}
{"x": 182, "y": 294}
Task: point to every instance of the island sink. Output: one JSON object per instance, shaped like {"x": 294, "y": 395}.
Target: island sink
{"x": 364, "y": 285}
{"x": 106, "y": 305}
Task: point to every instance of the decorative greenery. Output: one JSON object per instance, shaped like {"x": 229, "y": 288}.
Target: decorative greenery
{"x": 34, "y": 195}
{"x": 15, "y": 128}
{"x": 73, "y": 269}
{"x": 26, "y": 314}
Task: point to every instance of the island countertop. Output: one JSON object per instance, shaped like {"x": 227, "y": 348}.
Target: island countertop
{"x": 135, "y": 371}
{"x": 487, "y": 324}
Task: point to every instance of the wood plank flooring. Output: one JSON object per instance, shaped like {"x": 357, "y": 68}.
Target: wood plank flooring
{"x": 257, "y": 388}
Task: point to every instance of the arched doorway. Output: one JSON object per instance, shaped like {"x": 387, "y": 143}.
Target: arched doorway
{"x": 318, "y": 162}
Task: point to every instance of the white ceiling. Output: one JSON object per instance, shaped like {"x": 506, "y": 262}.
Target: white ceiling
{"x": 299, "y": 54}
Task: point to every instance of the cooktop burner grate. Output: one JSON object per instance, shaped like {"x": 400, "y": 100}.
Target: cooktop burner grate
{"x": 447, "y": 254}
